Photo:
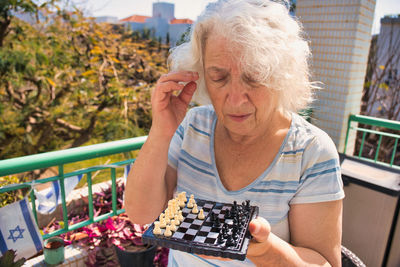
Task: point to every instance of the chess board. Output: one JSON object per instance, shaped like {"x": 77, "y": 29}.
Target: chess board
{"x": 222, "y": 233}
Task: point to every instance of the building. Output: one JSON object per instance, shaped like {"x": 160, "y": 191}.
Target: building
{"x": 383, "y": 97}
{"x": 162, "y": 23}
{"x": 340, "y": 34}
{"x": 106, "y": 19}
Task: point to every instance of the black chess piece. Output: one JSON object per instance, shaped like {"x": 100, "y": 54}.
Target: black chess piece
{"x": 212, "y": 217}
{"x": 217, "y": 222}
{"x": 230, "y": 241}
{"x": 221, "y": 238}
{"x": 248, "y": 205}
{"x": 226, "y": 216}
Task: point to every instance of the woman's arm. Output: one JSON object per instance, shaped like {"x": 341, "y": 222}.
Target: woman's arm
{"x": 315, "y": 231}
{"x": 151, "y": 181}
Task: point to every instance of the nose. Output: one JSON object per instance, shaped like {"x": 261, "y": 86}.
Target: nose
{"x": 237, "y": 95}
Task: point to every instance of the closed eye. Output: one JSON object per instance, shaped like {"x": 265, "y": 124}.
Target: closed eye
{"x": 250, "y": 80}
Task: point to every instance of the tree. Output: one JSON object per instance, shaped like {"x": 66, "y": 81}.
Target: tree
{"x": 381, "y": 94}
{"x": 7, "y": 10}
{"x": 72, "y": 81}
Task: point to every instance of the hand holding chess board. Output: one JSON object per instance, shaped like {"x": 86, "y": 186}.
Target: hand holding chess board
{"x": 203, "y": 227}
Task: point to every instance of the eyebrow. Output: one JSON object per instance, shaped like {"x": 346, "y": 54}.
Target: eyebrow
{"x": 213, "y": 68}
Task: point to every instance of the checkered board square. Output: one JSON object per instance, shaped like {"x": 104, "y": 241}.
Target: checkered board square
{"x": 198, "y": 236}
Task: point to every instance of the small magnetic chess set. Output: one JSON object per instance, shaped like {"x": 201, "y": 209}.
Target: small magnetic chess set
{"x": 203, "y": 227}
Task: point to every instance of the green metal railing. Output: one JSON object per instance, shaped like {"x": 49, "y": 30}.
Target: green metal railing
{"x": 62, "y": 157}
{"x": 372, "y": 121}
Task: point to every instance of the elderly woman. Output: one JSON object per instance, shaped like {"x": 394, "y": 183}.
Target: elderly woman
{"x": 248, "y": 59}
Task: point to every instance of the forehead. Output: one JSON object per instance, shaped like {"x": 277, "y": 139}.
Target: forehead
{"x": 219, "y": 51}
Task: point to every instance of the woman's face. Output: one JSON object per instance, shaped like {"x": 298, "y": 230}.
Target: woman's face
{"x": 243, "y": 106}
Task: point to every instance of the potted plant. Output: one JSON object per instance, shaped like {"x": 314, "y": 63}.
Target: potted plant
{"x": 131, "y": 251}
{"x": 106, "y": 239}
{"x": 53, "y": 251}
{"x": 8, "y": 259}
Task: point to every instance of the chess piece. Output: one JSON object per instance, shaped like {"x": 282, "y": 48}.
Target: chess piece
{"x": 173, "y": 226}
{"x": 167, "y": 220}
{"x": 176, "y": 219}
{"x": 229, "y": 241}
{"x": 181, "y": 203}
{"x": 221, "y": 239}
{"x": 168, "y": 232}
{"x": 212, "y": 216}
{"x": 201, "y": 215}
{"x": 180, "y": 216}
{"x": 217, "y": 222}
{"x": 195, "y": 210}
{"x": 190, "y": 204}
{"x": 157, "y": 229}
{"x": 163, "y": 223}
{"x": 247, "y": 205}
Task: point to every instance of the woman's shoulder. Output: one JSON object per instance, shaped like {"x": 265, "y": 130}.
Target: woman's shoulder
{"x": 308, "y": 137}
{"x": 201, "y": 116}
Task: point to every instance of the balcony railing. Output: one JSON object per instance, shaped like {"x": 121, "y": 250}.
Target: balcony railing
{"x": 374, "y": 122}
{"x": 62, "y": 157}
{"x": 59, "y": 159}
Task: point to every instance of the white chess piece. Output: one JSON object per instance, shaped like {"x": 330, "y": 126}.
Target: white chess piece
{"x": 190, "y": 204}
{"x": 173, "y": 226}
{"x": 176, "y": 219}
{"x": 180, "y": 216}
{"x": 181, "y": 203}
{"x": 168, "y": 232}
{"x": 195, "y": 209}
{"x": 157, "y": 229}
{"x": 163, "y": 223}
{"x": 201, "y": 215}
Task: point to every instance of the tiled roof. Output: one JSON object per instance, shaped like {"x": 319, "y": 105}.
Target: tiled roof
{"x": 136, "y": 18}
{"x": 181, "y": 21}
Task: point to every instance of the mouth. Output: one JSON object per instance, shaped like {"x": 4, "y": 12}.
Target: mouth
{"x": 239, "y": 118}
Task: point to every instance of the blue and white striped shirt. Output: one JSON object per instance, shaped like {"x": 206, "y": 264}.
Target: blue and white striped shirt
{"x": 305, "y": 170}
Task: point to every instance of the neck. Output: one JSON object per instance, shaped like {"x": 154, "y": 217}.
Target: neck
{"x": 276, "y": 126}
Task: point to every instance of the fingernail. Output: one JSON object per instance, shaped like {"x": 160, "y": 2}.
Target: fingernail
{"x": 256, "y": 229}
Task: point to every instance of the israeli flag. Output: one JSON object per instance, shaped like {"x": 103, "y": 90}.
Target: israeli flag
{"x": 49, "y": 198}
{"x": 18, "y": 230}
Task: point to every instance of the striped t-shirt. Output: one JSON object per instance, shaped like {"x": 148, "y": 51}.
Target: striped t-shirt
{"x": 305, "y": 170}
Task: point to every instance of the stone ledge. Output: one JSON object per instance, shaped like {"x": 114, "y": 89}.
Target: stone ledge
{"x": 75, "y": 256}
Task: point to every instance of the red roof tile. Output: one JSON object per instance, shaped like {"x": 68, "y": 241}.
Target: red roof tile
{"x": 181, "y": 21}
{"x": 136, "y": 18}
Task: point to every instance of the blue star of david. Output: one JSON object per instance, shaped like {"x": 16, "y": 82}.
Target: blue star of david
{"x": 19, "y": 235}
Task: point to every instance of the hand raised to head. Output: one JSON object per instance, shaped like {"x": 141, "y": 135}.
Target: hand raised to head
{"x": 169, "y": 109}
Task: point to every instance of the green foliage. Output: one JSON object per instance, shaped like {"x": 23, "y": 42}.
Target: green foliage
{"x": 13, "y": 196}
{"x": 8, "y": 259}
{"x": 68, "y": 80}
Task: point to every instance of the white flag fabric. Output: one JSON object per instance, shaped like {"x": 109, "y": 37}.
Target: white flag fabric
{"x": 49, "y": 198}
{"x": 18, "y": 230}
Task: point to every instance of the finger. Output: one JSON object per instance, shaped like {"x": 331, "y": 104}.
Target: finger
{"x": 169, "y": 86}
{"x": 179, "y": 76}
{"x": 187, "y": 92}
{"x": 260, "y": 229}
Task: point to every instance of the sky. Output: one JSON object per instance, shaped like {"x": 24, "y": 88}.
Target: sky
{"x": 192, "y": 8}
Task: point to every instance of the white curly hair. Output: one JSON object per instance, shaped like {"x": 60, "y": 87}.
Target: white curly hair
{"x": 272, "y": 44}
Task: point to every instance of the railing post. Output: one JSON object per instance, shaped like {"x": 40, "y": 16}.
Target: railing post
{"x": 114, "y": 191}
{"x": 33, "y": 198}
{"x": 63, "y": 200}
{"x": 90, "y": 196}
